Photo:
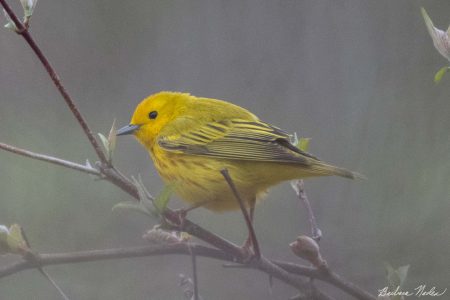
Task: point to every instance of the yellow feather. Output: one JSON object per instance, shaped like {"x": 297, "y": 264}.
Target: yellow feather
{"x": 190, "y": 139}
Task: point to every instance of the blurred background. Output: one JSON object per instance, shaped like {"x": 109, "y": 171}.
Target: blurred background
{"x": 355, "y": 76}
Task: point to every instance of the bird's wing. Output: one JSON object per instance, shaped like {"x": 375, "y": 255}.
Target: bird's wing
{"x": 237, "y": 139}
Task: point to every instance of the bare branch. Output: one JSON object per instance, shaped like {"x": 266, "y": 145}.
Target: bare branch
{"x": 272, "y": 269}
{"x": 54, "y": 284}
{"x": 50, "y": 159}
{"x": 23, "y": 31}
{"x": 328, "y": 276}
{"x": 30, "y": 256}
{"x": 178, "y": 248}
{"x": 194, "y": 275}
{"x": 248, "y": 221}
{"x": 316, "y": 233}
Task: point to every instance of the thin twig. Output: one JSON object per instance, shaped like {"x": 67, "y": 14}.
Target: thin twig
{"x": 194, "y": 275}
{"x": 251, "y": 230}
{"x": 54, "y": 284}
{"x": 31, "y": 257}
{"x": 316, "y": 233}
{"x": 235, "y": 266}
{"x": 23, "y": 31}
{"x": 50, "y": 159}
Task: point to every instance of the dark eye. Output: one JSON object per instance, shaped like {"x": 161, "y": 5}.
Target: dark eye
{"x": 153, "y": 114}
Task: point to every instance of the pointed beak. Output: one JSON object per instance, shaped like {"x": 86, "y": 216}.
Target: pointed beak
{"x": 128, "y": 129}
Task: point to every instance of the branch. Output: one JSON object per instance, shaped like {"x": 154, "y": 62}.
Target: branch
{"x": 299, "y": 189}
{"x": 327, "y": 276}
{"x": 273, "y": 270}
{"x": 144, "y": 251}
{"x": 177, "y": 249}
{"x": 50, "y": 159}
{"x": 23, "y": 31}
{"x": 116, "y": 253}
{"x": 194, "y": 275}
{"x": 251, "y": 230}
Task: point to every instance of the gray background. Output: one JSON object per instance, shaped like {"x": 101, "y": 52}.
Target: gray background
{"x": 355, "y": 76}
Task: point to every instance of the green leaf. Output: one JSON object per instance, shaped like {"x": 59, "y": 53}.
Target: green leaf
{"x": 428, "y": 22}
{"x": 109, "y": 143}
{"x": 441, "y": 40}
{"x": 147, "y": 193}
{"x": 112, "y": 138}
{"x": 300, "y": 143}
{"x": 15, "y": 240}
{"x": 303, "y": 144}
{"x": 28, "y": 7}
{"x": 131, "y": 205}
{"x": 10, "y": 25}
{"x": 4, "y": 232}
{"x": 144, "y": 196}
{"x": 104, "y": 141}
{"x": 440, "y": 74}
{"x": 163, "y": 198}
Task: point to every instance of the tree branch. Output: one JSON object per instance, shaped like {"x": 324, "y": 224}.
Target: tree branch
{"x": 23, "y": 31}
{"x": 316, "y": 233}
{"x": 281, "y": 270}
{"x": 182, "y": 249}
{"x": 50, "y": 159}
{"x": 194, "y": 275}
{"x": 327, "y": 276}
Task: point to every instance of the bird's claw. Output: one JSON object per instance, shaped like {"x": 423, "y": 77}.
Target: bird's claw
{"x": 181, "y": 214}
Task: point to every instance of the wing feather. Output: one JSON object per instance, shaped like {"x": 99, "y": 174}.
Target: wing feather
{"x": 237, "y": 139}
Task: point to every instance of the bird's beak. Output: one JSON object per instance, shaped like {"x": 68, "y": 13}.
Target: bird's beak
{"x": 128, "y": 129}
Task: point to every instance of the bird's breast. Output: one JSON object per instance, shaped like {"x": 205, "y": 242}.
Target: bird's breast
{"x": 198, "y": 179}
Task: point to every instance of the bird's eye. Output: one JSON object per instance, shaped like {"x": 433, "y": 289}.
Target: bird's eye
{"x": 153, "y": 114}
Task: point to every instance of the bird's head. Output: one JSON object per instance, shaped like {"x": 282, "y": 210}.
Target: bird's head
{"x": 152, "y": 114}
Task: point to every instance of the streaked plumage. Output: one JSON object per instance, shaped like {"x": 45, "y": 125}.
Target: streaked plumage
{"x": 191, "y": 139}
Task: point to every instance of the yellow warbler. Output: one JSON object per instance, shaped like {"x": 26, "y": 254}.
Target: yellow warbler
{"x": 190, "y": 139}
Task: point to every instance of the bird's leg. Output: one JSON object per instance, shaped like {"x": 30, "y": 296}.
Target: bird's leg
{"x": 248, "y": 244}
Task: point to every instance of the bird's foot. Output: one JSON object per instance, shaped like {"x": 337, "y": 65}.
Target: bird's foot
{"x": 181, "y": 215}
{"x": 247, "y": 250}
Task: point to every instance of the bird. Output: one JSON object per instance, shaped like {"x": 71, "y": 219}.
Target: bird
{"x": 191, "y": 139}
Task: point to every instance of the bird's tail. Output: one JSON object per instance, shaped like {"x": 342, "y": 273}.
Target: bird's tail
{"x": 323, "y": 169}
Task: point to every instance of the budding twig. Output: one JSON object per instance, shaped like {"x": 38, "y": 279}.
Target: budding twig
{"x": 50, "y": 159}
{"x": 316, "y": 233}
